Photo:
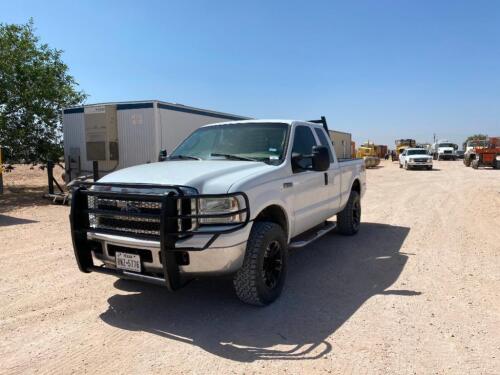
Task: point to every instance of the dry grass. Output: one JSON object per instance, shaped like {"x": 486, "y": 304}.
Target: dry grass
{"x": 25, "y": 186}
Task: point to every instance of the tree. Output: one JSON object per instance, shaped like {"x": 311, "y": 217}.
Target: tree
{"x": 474, "y": 137}
{"x": 34, "y": 87}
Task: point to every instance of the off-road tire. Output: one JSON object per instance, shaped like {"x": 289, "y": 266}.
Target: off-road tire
{"x": 249, "y": 282}
{"x": 475, "y": 164}
{"x": 347, "y": 222}
{"x": 467, "y": 162}
{"x": 400, "y": 165}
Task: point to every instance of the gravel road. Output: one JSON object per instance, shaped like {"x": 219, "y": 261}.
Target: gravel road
{"x": 416, "y": 291}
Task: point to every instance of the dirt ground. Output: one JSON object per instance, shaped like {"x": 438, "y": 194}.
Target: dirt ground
{"x": 416, "y": 291}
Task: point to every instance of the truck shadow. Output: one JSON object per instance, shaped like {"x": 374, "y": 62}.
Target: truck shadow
{"x": 423, "y": 170}
{"x": 327, "y": 282}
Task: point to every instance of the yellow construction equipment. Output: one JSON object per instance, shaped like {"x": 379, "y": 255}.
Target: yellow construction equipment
{"x": 368, "y": 152}
{"x": 401, "y": 145}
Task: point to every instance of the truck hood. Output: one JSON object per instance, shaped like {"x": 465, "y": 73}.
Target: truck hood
{"x": 207, "y": 176}
{"x": 419, "y": 157}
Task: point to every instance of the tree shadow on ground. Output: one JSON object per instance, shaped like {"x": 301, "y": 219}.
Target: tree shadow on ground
{"x": 22, "y": 196}
{"x": 327, "y": 282}
{"x": 9, "y": 220}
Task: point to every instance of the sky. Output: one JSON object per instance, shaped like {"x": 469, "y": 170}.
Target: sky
{"x": 380, "y": 69}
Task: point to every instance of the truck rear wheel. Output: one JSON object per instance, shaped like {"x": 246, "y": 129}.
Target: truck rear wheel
{"x": 260, "y": 279}
{"x": 349, "y": 219}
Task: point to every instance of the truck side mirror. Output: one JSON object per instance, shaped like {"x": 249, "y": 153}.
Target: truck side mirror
{"x": 162, "y": 156}
{"x": 320, "y": 158}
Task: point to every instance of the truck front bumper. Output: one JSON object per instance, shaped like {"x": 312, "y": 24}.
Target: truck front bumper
{"x": 425, "y": 163}
{"x": 169, "y": 252}
{"x": 218, "y": 259}
{"x": 447, "y": 156}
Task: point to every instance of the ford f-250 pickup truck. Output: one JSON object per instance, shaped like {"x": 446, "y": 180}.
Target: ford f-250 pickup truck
{"x": 231, "y": 199}
{"x": 415, "y": 158}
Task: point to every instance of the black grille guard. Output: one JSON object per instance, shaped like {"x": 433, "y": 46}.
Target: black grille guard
{"x": 169, "y": 225}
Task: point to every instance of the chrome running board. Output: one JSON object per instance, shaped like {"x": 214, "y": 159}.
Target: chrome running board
{"x": 312, "y": 235}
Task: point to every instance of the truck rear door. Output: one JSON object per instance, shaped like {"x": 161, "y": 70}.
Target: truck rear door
{"x": 333, "y": 176}
{"x": 311, "y": 197}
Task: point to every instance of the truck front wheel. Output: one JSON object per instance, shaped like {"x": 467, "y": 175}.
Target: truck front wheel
{"x": 260, "y": 279}
{"x": 349, "y": 219}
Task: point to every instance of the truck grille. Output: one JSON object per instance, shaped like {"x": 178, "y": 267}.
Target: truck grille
{"x": 420, "y": 160}
{"x": 132, "y": 224}
{"x": 447, "y": 152}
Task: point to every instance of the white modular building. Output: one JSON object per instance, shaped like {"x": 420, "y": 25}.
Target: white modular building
{"x": 123, "y": 134}
{"x": 342, "y": 143}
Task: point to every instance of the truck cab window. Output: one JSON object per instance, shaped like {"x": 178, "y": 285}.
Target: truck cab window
{"x": 303, "y": 143}
{"x": 324, "y": 141}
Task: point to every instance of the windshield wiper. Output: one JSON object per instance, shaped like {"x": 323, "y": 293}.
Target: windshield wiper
{"x": 233, "y": 157}
{"x": 183, "y": 157}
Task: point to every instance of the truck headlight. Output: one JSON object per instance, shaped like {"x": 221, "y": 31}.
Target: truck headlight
{"x": 223, "y": 206}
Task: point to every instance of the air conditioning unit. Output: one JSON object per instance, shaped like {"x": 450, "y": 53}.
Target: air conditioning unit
{"x": 101, "y": 132}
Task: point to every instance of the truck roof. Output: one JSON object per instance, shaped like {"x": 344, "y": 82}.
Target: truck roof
{"x": 265, "y": 121}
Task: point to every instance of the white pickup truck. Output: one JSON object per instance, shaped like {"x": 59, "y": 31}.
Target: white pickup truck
{"x": 232, "y": 198}
{"x": 415, "y": 158}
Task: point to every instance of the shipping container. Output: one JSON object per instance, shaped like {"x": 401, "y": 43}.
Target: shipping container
{"x": 124, "y": 134}
{"x": 381, "y": 151}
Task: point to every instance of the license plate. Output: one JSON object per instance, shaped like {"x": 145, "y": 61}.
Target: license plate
{"x": 128, "y": 262}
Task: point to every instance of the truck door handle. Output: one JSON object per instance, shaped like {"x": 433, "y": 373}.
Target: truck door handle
{"x": 326, "y": 178}
{"x": 287, "y": 185}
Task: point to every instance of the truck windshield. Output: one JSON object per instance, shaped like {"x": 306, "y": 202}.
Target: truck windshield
{"x": 447, "y": 145}
{"x": 417, "y": 152}
{"x": 250, "y": 141}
